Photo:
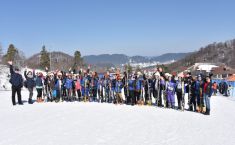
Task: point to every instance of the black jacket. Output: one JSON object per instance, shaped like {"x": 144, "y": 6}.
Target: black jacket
{"x": 16, "y": 79}
{"x": 30, "y": 81}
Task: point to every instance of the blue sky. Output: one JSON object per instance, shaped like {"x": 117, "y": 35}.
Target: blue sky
{"x": 132, "y": 27}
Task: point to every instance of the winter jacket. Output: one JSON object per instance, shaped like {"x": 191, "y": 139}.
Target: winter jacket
{"x": 30, "y": 81}
{"x": 197, "y": 87}
{"x": 113, "y": 83}
{"x": 138, "y": 84}
{"x": 94, "y": 82}
{"x": 119, "y": 86}
{"x": 156, "y": 84}
{"x": 208, "y": 89}
{"x": 131, "y": 85}
{"x": 170, "y": 87}
{"x": 16, "y": 79}
{"x": 68, "y": 83}
{"x": 39, "y": 82}
{"x": 51, "y": 83}
{"x": 180, "y": 88}
{"x": 78, "y": 84}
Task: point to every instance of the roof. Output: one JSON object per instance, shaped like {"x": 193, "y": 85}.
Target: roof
{"x": 223, "y": 70}
{"x": 206, "y": 67}
{"x": 231, "y": 78}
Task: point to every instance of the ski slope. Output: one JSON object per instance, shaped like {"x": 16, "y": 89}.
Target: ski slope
{"x": 74, "y": 123}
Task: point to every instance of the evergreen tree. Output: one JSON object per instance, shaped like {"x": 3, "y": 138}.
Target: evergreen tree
{"x": 11, "y": 53}
{"x": 78, "y": 61}
{"x": 128, "y": 68}
{"x": 45, "y": 58}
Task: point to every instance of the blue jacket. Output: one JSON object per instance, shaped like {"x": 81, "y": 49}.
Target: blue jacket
{"x": 118, "y": 87}
{"x": 68, "y": 83}
{"x": 171, "y": 87}
{"x": 138, "y": 85}
{"x": 95, "y": 83}
{"x": 16, "y": 79}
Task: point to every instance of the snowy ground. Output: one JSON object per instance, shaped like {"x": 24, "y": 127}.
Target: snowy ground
{"x": 106, "y": 124}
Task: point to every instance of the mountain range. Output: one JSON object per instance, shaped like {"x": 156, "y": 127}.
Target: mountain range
{"x": 103, "y": 60}
{"x": 118, "y": 59}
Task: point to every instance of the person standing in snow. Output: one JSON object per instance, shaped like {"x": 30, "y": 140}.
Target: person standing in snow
{"x": 118, "y": 90}
{"x": 146, "y": 89}
{"x": 138, "y": 88}
{"x": 113, "y": 85}
{"x": 156, "y": 88}
{"x": 131, "y": 89}
{"x": 58, "y": 86}
{"x": 107, "y": 85}
{"x": 125, "y": 83}
{"x": 196, "y": 86}
{"x": 30, "y": 83}
{"x": 162, "y": 100}
{"x": 68, "y": 86}
{"x": 78, "y": 87}
{"x": 170, "y": 89}
{"x": 100, "y": 90}
{"x": 192, "y": 95}
{"x": 180, "y": 91}
{"x": 94, "y": 86}
{"x": 207, "y": 94}
{"x": 39, "y": 86}
{"x": 16, "y": 81}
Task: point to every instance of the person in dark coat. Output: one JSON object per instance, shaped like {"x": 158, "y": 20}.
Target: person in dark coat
{"x": 16, "y": 81}
{"x": 30, "y": 83}
{"x": 207, "y": 94}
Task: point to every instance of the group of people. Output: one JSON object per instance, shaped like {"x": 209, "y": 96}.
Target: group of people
{"x": 138, "y": 88}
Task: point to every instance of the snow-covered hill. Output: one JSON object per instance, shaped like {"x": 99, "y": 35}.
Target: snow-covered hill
{"x": 107, "y": 124}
